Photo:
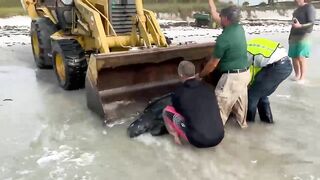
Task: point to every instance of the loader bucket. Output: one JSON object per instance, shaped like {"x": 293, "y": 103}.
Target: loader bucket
{"x": 120, "y": 84}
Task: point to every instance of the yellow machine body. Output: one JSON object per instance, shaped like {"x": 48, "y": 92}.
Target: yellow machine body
{"x": 128, "y": 67}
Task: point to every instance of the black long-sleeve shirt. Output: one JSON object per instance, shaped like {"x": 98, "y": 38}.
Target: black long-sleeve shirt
{"x": 197, "y": 103}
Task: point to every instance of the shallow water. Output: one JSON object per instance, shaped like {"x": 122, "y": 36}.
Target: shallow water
{"x": 48, "y": 133}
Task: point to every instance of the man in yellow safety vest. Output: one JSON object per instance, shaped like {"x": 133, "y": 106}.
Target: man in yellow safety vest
{"x": 270, "y": 65}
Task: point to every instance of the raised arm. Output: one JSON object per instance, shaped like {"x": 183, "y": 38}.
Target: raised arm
{"x": 215, "y": 15}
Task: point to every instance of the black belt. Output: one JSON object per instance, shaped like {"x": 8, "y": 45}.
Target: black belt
{"x": 235, "y": 70}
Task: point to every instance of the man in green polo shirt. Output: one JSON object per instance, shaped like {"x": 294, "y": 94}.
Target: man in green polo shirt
{"x": 230, "y": 59}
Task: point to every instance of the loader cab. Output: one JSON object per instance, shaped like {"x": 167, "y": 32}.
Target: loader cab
{"x": 62, "y": 10}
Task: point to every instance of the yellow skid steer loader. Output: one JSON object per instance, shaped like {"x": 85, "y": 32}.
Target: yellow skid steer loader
{"x": 115, "y": 48}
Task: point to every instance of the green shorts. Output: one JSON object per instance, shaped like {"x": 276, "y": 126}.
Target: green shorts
{"x": 299, "y": 49}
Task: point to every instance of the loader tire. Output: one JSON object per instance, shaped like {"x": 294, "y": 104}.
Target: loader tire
{"x": 41, "y": 30}
{"x": 69, "y": 63}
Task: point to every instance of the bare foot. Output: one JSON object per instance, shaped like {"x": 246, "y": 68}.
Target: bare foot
{"x": 177, "y": 140}
{"x": 301, "y": 81}
{"x": 294, "y": 78}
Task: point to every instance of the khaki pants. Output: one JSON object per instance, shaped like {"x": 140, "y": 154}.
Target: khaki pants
{"x": 232, "y": 96}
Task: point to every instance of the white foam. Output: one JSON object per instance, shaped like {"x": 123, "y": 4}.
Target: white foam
{"x": 166, "y": 21}
{"x": 276, "y": 14}
{"x": 58, "y": 173}
{"x": 116, "y": 104}
{"x": 66, "y": 127}
{"x": 148, "y": 140}
{"x": 185, "y": 35}
{"x": 85, "y": 159}
{"x": 283, "y": 96}
{"x": 65, "y": 147}
{"x": 24, "y": 172}
{"x": 118, "y": 122}
{"x": 52, "y": 157}
{"x": 179, "y": 35}
{"x": 297, "y": 178}
{"x": 306, "y": 83}
{"x": 104, "y": 132}
{"x": 14, "y": 31}
{"x": 16, "y": 21}
{"x": 301, "y": 82}
{"x": 254, "y": 161}
{"x": 65, "y": 154}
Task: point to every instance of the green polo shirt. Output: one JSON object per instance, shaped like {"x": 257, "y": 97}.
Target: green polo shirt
{"x": 231, "y": 48}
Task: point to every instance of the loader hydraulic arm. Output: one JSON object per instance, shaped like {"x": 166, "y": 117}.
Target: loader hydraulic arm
{"x": 30, "y": 7}
{"x": 92, "y": 17}
{"x": 147, "y": 23}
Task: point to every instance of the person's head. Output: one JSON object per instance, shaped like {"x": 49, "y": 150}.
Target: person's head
{"x": 186, "y": 70}
{"x": 302, "y": 2}
{"x": 230, "y": 15}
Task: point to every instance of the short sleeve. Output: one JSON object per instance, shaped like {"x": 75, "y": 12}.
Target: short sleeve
{"x": 220, "y": 47}
{"x": 311, "y": 14}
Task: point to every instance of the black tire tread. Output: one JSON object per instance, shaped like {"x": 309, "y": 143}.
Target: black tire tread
{"x": 44, "y": 28}
{"x": 75, "y": 73}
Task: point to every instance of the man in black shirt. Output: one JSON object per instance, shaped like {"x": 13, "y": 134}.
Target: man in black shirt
{"x": 194, "y": 115}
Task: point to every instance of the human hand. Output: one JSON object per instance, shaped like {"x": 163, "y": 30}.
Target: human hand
{"x": 198, "y": 76}
{"x": 296, "y": 23}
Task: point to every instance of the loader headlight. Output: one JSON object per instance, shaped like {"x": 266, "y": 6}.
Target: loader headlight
{"x": 67, "y": 2}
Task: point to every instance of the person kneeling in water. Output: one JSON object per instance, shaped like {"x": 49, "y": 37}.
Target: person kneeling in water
{"x": 194, "y": 116}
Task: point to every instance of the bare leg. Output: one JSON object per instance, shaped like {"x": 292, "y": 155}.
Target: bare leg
{"x": 296, "y": 67}
{"x": 173, "y": 133}
{"x": 303, "y": 67}
{"x": 177, "y": 139}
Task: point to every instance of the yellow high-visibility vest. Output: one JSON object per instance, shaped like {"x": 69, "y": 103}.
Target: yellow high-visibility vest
{"x": 260, "y": 46}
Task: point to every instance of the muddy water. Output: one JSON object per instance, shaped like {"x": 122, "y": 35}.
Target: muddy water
{"x": 48, "y": 133}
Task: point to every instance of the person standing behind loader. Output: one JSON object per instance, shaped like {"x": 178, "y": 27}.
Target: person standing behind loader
{"x": 230, "y": 58}
{"x": 299, "y": 41}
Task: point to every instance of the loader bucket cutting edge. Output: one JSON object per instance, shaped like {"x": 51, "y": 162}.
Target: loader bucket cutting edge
{"x": 126, "y": 81}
